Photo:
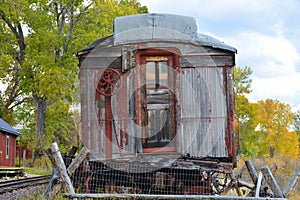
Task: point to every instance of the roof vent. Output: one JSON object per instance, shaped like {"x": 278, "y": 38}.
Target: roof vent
{"x": 154, "y": 27}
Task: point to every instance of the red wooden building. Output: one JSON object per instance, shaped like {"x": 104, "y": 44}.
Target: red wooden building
{"x": 8, "y": 144}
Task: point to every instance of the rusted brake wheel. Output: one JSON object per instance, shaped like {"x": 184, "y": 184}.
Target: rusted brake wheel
{"x": 109, "y": 82}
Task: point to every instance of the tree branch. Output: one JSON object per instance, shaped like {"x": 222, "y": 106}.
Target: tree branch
{"x": 25, "y": 100}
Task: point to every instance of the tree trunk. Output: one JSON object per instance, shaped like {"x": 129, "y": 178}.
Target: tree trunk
{"x": 40, "y": 106}
{"x": 272, "y": 152}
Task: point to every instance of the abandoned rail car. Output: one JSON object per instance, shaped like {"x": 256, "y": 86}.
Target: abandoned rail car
{"x": 157, "y": 99}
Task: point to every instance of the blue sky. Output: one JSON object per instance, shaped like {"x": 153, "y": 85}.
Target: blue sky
{"x": 265, "y": 32}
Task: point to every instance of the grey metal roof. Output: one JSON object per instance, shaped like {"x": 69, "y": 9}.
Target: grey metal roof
{"x": 162, "y": 27}
{"x": 155, "y": 27}
{"x": 158, "y": 27}
{"x": 93, "y": 45}
{"x": 4, "y": 126}
{"x": 206, "y": 40}
{"x": 182, "y": 24}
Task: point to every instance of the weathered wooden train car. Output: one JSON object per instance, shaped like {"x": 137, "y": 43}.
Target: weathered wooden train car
{"x": 160, "y": 95}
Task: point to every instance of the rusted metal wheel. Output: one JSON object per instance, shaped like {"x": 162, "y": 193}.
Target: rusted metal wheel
{"x": 109, "y": 83}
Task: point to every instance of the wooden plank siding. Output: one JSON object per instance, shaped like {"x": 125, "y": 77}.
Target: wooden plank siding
{"x": 201, "y": 110}
{"x": 203, "y": 120}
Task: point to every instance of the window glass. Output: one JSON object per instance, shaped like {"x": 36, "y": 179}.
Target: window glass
{"x": 156, "y": 75}
{"x": 7, "y": 146}
{"x": 150, "y": 75}
{"x": 163, "y": 74}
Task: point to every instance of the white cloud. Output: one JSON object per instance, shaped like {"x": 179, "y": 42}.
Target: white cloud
{"x": 217, "y": 9}
{"x": 213, "y": 8}
{"x": 269, "y": 56}
{"x": 285, "y": 89}
{"x": 274, "y": 61}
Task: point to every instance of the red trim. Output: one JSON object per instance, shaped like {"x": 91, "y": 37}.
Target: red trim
{"x": 230, "y": 137}
{"x": 159, "y": 150}
{"x": 172, "y": 52}
{"x": 158, "y": 52}
{"x": 172, "y": 55}
{"x": 108, "y": 127}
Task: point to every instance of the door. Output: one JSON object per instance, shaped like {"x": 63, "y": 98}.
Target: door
{"x": 157, "y": 104}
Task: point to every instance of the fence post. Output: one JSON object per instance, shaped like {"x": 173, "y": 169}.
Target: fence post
{"x": 251, "y": 170}
{"x": 272, "y": 182}
{"x": 61, "y": 167}
{"x": 78, "y": 160}
{"x": 291, "y": 183}
{"x": 235, "y": 184}
{"x": 55, "y": 184}
{"x": 259, "y": 180}
{"x": 52, "y": 188}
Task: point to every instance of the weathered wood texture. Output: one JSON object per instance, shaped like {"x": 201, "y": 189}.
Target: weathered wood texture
{"x": 272, "y": 182}
{"x": 273, "y": 168}
{"x": 59, "y": 162}
{"x": 78, "y": 160}
{"x": 57, "y": 181}
{"x": 291, "y": 183}
{"x": 52, "y": 188}
{"x": 235, "y": 184}
{"x": 201, "y": 109}
{"x": 251, "y": 170}
{"x": 258, "y": 184}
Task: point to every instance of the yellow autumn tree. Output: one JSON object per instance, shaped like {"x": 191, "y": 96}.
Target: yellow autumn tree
{"x": 274, "y": 122}
{"x": 289, "y": 145}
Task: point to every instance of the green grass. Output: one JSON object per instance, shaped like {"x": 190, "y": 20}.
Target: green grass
{"x": 36, "y": 171}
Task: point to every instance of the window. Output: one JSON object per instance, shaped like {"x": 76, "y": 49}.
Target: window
{"x": 7, "y": 146}
{"x": 156, "y": 75}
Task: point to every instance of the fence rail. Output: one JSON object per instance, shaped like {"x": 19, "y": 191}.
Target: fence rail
{"x": 190, "y": 182}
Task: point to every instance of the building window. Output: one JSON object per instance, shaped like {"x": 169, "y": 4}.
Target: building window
{"x": 7, "y": 146}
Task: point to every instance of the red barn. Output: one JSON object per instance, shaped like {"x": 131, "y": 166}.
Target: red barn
{"x": 8, "y": 137}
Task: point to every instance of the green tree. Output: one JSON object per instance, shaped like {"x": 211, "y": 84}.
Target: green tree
{"x": 245, "y": 112}
{"x": 12, "y": 53}
{"x": 296, "y": 126}
{"x": 296, "y": 123}
{"x": 40, "y": 39}
{"x": 242, "y": 81}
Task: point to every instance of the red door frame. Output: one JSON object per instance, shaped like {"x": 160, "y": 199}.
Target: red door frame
{"x": 171, "y": 55}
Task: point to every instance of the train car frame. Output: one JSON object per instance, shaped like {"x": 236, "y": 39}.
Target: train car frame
{"x": 157, "y": 106}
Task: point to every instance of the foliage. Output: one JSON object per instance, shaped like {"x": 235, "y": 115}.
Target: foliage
{"x": 100, "y": 18}
{"x": 245, "y": 112}
{"x": 296, "y": 124}
{"x": 27, "y": 193}
{"x": 12, "y": 56}
{"x": 36, "y": 171}
{"x": 5, "y": 113}
{"x": 39, "y": 41}
{"x": 265, "y": 126}
{"x": 242, "y": 81}
{"x": 274, "y": 121}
